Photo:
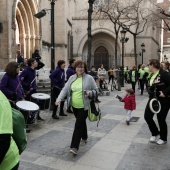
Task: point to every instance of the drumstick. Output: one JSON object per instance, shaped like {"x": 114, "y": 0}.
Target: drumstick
{"x": 19, "y": 84}
{"x": 29, "y": 91}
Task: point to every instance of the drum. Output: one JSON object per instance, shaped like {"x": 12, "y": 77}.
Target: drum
{"x": 41, "y": 99}
{"x": 29, "y": 110}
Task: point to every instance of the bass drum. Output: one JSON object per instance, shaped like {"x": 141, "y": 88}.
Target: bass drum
{"x": 155, "y": 106}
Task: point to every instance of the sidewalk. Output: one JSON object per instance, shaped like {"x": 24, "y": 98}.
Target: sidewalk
{"x": 112, "y": 145}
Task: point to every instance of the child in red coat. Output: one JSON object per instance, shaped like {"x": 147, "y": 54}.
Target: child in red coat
{"x": 129, "y": 103}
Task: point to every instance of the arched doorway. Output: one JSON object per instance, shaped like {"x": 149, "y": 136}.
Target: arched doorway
{"x": 27, "y": 27}
{"x": 101, "y": 56}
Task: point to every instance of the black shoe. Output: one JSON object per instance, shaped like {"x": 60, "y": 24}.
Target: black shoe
{"x": 55, "y": 117}
{"x": 69, "y": 111}
{"x": 39, "y": 118}
{"x": 28, "y": 130}
{"x": 62, "y": 114}
{"x": 97, "y": 101}
{"x": 127, "y": 122}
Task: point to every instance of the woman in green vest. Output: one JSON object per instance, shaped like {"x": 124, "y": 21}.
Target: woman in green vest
{"x": 133, "y": 76}
{"x": 9, "y": 154}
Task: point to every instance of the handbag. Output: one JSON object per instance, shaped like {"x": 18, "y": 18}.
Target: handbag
{"x": 94, "y": 114}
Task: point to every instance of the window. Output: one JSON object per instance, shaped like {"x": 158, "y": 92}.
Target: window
{"x": 168, "y": 40}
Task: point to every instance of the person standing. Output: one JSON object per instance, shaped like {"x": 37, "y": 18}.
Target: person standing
{"x": 20, "y": 58}
{"x": 165, "y": 65}
{"x": 129, "y": 104}
{"x": 111, "y": 75}
{"x": 11, "y": 84}
{"x": 142, "y": 77}
{"x": 38, "y": 58}
{"x": 78, "y": 89}
{"x": 70, "y": 71}
{"x": 101, "y": 71}
{"x": 9, "y": 153}
{"x": 159, "y": 80}
{"x": 28, "y": 81}
{"x": 133, "y": 76}
{"x": 58, "y": 79}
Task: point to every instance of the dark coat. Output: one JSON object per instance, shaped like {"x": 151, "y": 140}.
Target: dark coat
{"x": 130, "y": 103}
{"x": 70, "y": 71}
{"x": 58, "y": 77}
{"x": 162, "y": 83}
{"x": 28, "y": 75}
{"x": 9, "y": 85}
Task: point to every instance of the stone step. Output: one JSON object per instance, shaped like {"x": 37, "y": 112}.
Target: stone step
{"x": 43, "y": 83}
{"x": 46, "y": 86}
{"x": 43, "y": 90}
{"x": 44, "y": 80}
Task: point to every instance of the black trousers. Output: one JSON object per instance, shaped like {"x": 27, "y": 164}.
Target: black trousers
{"x": 111, "y": 77}
{"x": 80, "y": 128}
{"x": 161, "y": 119}
{"x": 40, "y": 65}
{"x": 133, "y": 85}
{"x": 56, "y": 94}
{"x": 16, "y": 167}
{"x": 141, "y": 85}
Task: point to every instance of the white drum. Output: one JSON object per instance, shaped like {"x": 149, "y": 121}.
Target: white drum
{"x": 41, "y": 99}
{"x": 29, "y": 109}
{"x": 27, "y": 106}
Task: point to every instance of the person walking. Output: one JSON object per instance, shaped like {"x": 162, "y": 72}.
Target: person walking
{"x": 159, "y": 80}
{"x": 58, "y": 79}
{"x": 78, "y": 90}
{"x": 70, "y": 71}
{"x": 9, "y": 153}
{"x": 129, "y": 104}
{"x": 11, "y": 85}
{"x": 111, "y": 75}
{"x": 133, "y": 76}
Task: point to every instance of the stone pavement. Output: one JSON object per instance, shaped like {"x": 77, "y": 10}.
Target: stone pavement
{"x": 112, "y": 145}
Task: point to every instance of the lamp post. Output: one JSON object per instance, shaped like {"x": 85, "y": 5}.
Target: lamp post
{"x": 39, "y": 15}
{"x": 90, "y": 11}
{"x": 123, "y": 35}
{"x": 143, "y": 50}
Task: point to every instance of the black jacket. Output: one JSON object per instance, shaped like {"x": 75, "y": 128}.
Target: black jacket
{"x": 162, "y": 83}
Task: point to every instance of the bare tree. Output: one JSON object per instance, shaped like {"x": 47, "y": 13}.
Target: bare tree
{"x": 131, "y": 15}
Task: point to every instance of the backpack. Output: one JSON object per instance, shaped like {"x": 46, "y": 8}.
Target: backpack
{"x": 19, "y": 130}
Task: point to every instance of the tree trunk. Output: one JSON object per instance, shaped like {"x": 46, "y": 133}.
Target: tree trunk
{"x": 135, "y": 53}
{"x": 116, "y": 42}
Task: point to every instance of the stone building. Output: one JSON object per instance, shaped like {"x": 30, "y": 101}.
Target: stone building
{"x": 21, "y": 31}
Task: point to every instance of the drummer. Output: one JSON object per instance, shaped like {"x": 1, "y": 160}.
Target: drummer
{"x": 10, "y": 83}
{"x": 28, "y": 80}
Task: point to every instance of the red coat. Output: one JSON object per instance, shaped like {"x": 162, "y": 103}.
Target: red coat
{"x": 130, "y": 102}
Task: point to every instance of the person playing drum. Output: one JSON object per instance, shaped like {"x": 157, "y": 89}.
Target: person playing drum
{"x": 28, "y": 80}
{"x": 10, "y": 83}
{"x": 159, "y": 85}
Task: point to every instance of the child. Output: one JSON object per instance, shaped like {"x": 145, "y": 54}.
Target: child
{"x": 130, "y": 103}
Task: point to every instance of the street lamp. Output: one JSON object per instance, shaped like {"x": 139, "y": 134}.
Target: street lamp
{"x": 143, "y": 50}
{"x": 39, "y": 15}
{"x": 123, "y": 35}
{"x": 90, "y": 11}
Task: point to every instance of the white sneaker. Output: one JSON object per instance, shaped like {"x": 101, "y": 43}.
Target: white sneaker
{"x": 154, "y": 138}
{"x": 161, "y": 142}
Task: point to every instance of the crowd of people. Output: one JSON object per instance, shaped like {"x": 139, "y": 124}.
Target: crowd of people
{"x": 76, "y": 85}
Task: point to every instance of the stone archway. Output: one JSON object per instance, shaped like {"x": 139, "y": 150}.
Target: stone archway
{"x": 28, "y": 26}
{"x": 101, "y": 56}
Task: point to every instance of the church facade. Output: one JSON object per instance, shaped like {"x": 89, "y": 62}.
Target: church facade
{"x": 21, "y": 31}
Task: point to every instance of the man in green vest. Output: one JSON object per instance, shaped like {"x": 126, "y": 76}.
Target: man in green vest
{"x": 9, "y": 153}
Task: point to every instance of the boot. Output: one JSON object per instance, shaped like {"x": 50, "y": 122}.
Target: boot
{"x": 62, "y": 113}
{"x": 54, "y": 116}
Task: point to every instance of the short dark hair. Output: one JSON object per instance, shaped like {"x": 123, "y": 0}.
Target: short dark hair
{"x": 60, "y": 62}
{"x": 80, "y": 63}
{"x": 131, "y": 91}
{"x": 155, "y": 63}
{"x": 30, "y": 61}
{"x": 71, "y": 61}
{"x": 11, "y": 68}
